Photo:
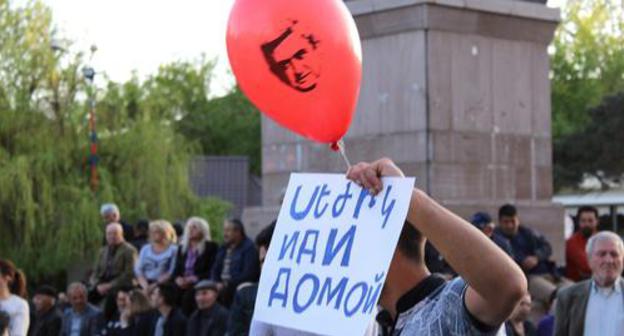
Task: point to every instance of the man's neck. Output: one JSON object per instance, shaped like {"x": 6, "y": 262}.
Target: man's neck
{"x": 44, "y": 311}
{"x": 165, "y": 310}
{"x": 4, "y": 293}
{"x": 234, "y": 244}
{"x": 516, "y": 321}
{"x": 80, "y": 310}
{"x": 605, "y": 285}
{"x": 395, "y": 289}
{"x": 207, "y": 309}
{"x": 518, "y": 325}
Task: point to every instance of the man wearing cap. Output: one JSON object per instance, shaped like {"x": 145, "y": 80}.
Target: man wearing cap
{"x": 48, "y": 318}
{"x": 483, "y": 222}
{"x": 210, "y": 318}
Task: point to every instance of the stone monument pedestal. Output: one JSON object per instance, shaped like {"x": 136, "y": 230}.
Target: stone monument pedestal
{"x": 457, "y": 93}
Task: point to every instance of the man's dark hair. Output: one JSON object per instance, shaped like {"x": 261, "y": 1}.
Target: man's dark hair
{"x": 587, "y": 208}
{"x": 47, "y": 290}
{"x": 507, "y": 210}
{"x": 4, "y": 321}
{"x": 110, "y": 302}
{"x": 169, "y": 294}
{"x": 268, "y": 49}
{"x": 142, "y": 225}
{"x": 238, "y": 225}
{"x": 264, "y": 237}
{"x": 410, "y": 243}
{"x": 178, "y": 227}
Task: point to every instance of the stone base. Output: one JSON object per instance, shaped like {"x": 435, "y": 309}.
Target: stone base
{"x": 257, "y": 218}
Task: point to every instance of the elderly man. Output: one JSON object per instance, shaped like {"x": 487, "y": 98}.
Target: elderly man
{"x": 114, "y": 267}
{"x": 110, "y": 214}
{"x": 595, "y": 306}
{"x": 211, "y": 318}
{"x": 81, "y": 319}
{"x": 48, "y": 318}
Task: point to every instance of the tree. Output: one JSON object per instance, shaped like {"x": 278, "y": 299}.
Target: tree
{"x": 48, "y": 214}
{"x": 228, "y": 125}
{"x": 588, "y": 61}
{"x": 587, "y": 65}
{"x": 596, "y": 150}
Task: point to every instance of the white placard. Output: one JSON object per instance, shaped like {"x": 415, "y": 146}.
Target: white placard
{"x": 330, "y": 253}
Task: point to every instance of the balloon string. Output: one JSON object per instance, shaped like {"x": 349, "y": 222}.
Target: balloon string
{"x": 341, "y": 149}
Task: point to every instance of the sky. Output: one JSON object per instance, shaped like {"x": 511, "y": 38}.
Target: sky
{"x": 140, "y": 35}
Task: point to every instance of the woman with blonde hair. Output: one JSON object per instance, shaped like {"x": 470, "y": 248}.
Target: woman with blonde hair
{"x": 196, "y": 255}
{"x": 157, "y": 259}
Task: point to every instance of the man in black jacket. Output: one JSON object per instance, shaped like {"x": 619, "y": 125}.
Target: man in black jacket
{"x": 166, "y": 320}
{"x": 48, "y": 318}
{"x": 211, "y": 318}
{"x": 236, "y": 261}
{"x": 532, "y": 252}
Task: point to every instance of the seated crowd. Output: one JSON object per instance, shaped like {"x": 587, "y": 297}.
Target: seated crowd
{"x": 147, "y": 280}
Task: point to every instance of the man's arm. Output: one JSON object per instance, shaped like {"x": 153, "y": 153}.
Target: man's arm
{"x": 561, "y": 315}
{"x": 496, "y": 283}
{"x": 576, "y": 261}
{"x": 127, "y": 261}
{"x": 250, "y": 267}
{"x": 94, "y": 279}
{"x": 543, "y": 250}
{"x": 217, "y": 268}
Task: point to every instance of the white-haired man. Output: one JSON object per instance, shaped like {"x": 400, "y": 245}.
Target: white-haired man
{"x": 110, "y": 214}
{"x": 81, "y": 318}
{"x": 114, "y": 267}
{"x": 595, "y": 306}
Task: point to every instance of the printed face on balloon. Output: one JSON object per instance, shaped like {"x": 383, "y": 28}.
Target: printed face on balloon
{"x": 293, "y": 57}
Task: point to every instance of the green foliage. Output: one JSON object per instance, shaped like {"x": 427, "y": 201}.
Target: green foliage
{"x": 48, "y": 214}
{"x": 597, "y": 149}
{"x": 587, "y": 65}
{"x": 228, "y": 125}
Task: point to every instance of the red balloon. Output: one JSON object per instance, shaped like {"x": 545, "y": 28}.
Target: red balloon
{"x": 299, "y": 62}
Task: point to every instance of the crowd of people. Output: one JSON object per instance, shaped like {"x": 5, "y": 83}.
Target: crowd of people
{"x": 558, "y": 298}
{"x": 149, "y": 279}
